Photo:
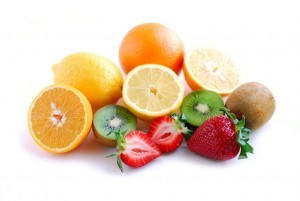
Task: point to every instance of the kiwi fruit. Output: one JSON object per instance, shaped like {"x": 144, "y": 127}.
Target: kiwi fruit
{"x": 253, "y": 100}
{"x": 112, "y": 118}
{"x": 200, "y": 105}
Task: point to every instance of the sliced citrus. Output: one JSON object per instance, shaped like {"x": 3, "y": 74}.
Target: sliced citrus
{"x": 59, "y": 118}
{"x": 210, "y": 69}
{"x": 152, "y": 90}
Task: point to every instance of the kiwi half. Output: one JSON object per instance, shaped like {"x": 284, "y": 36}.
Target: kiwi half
{"x": 200, "y": 105}
{"x": 112, "y": 118}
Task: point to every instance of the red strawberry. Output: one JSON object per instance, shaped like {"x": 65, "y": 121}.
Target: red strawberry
{"x": 167, "y": 132}
{"x": 135, "y": 149}
{"x": 221, "y": 138}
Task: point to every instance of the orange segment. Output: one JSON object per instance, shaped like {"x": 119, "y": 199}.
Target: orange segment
{"x": 151, "y": 91}
{"x": 210, "y": 69}
{"x": 59, "y": 118}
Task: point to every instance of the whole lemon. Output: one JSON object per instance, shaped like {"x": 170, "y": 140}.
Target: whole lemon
{"x": 99, "y": 79}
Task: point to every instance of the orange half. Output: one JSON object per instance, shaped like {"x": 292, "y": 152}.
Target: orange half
{"x": 60, "y": 118}
{"x": 210, "y": 69}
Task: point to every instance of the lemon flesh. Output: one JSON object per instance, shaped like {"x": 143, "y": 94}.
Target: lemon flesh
{"x": 151, "y": 91}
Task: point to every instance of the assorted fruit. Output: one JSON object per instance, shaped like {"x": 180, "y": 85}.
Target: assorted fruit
{"x": 87, "y": 87}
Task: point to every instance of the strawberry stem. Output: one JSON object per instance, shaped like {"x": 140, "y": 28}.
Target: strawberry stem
{"x": 181, "y": 125}
{"x": 120, "y": 135}
{"x": 242, "y": 133}
{"x": 119, "y": 162}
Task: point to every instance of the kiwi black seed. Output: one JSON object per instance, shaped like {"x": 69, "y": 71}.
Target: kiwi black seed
{"x": 200, "y": 105}
{"x": 112, "y": 118}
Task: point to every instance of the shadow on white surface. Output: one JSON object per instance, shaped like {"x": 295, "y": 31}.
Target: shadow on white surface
{"x": 89, "y": 153}
{"x": 92, "y": 154}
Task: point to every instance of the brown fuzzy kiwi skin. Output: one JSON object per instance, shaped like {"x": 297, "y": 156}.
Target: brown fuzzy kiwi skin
{"x": 253, "y": 100}
{"x": 104, "y": 140}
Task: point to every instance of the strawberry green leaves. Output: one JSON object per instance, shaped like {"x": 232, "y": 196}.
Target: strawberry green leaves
{"x": 242, "y": 133}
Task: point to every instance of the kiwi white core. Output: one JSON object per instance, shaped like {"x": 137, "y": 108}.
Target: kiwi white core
{"x": 115, "y": 122}
{"x": 202, "y": 108}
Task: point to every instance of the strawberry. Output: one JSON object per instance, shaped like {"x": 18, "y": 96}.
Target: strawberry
{"x": 167, "y": 132}
{"x": 221, "y": 138}
{"x": 135, "y": 149}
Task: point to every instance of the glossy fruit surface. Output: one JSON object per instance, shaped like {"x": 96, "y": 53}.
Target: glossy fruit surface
{"x": 221, "y": 138}
{"x": 95, "y": 76}
{"x": 151, "y": 43}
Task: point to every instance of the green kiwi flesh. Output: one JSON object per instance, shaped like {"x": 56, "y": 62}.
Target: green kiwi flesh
{"x": 200, "y": 105}
{"x": 112, "y": 118}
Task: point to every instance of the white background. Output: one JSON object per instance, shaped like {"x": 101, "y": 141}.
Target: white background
{"x": 261, "y": 37}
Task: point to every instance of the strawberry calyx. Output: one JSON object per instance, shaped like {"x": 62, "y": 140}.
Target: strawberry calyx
{"x": 181, "y": 125}
{"x": 242, "y": 132}
{"x": 120, "y": 135}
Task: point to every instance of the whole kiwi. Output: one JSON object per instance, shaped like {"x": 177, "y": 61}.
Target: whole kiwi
{"x": 253, "y": 100}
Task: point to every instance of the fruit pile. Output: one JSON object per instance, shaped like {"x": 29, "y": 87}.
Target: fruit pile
{"x": 87, "y": 87}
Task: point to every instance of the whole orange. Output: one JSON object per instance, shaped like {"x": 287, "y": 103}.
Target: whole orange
{"x": 151, "y": 43}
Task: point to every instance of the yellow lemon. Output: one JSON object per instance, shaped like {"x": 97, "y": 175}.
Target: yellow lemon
{"x": 96, "y": 77}
{"x": 152, "y": 90}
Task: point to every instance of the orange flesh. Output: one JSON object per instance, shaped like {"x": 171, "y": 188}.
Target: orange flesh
{"x": 57, "y": 120}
